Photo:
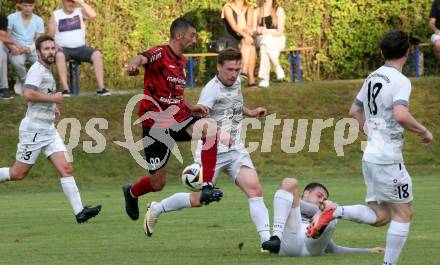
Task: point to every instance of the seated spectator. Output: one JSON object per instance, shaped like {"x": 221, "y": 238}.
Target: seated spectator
{"x": 5, "y": 40}
{"x": 434, "y": 24}
{"x": 67, "y": 26}
{"x": 24, "y": 27}
{"x": 270, "y": 20}
{"x": 237, "y": 16}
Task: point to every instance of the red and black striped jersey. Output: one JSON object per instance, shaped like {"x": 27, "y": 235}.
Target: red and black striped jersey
{"x": 164, "y": 81}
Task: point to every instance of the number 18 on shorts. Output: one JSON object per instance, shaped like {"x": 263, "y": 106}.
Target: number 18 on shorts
{"x": 387, "y": 183}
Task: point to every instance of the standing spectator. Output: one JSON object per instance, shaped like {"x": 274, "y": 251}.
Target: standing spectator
{"x": 67, "y": 26}
{"x": 24, "y": 27}
{"x": 270, "y": 20}
{"x": 434, "y": 24}
{"x": 237, "y": 16}
{"x": 5, "y": 40}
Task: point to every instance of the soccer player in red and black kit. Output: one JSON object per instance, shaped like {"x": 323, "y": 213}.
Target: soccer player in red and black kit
{"x": 165, "y": 115}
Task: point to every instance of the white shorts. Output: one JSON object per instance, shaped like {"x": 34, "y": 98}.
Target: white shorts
{"x": 31, "y": 144}
{"x": 230, "y": 162}
{"x": 387, "y": 183}
{"x": 435, "y": 38}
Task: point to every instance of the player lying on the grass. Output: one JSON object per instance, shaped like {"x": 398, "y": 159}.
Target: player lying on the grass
{"x": 222, "y": 95}
{"x": 382, "y": 105}
{"x": 37, "y": 132}
{"x": 291, "y": 221}
{"x": 167, "y": 118}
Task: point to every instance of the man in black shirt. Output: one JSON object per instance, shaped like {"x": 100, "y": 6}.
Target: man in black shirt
{"x": 4, "y": 40}
{"x": 434, "y": 24}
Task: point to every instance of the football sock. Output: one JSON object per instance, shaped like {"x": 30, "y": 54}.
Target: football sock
{"x": 72, "y": 193}
{"x": 356, "y": 213}
{"x": 141, "y": 187}
{"x": 209, "y": 158}
{"x": 4, "y": 174}
{"x": 282, "y": 203}
{"x": 175, "y": 202}
{"x": 260, "y": 217}
{"x": 396, "y": 237}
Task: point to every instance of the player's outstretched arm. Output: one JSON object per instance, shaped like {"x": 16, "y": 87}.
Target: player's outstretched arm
{"x": 35, "y": 96}
{"x": 407, "y": 121}
{"x": 197, "y": 109}
{"x": 258, "y": 112}
{"x": 333, "y": 248}
{"x": 134, "y": 64}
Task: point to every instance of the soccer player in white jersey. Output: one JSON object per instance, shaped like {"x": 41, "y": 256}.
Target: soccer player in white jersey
{"x": 37, "y": 132}
{"x": 222, "y": 95}
{"x": 382, "y": 105}
{"x": 291, "y": 220}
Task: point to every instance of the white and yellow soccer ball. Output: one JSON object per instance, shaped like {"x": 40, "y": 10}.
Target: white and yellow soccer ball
{"x": 192, "y": 177}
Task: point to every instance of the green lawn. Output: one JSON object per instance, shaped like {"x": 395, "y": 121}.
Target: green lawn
{"x": 38, "y": 227}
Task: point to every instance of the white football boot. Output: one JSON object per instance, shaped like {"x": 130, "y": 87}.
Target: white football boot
{"x": 150, "y": 220}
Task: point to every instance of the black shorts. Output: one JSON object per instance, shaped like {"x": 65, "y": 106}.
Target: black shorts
{"x": 158, "y": 143}
{"x": 81, "y": 54}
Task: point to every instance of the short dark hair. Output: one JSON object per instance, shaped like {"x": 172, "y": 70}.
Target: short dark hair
{"x": 26, "y": 1}
{"x": 180, "y": 24}
{"x": 313, "y": 185}
{"x": 394, "y": 44}
{"x": 228, "y": 54}
{"x": 42, "y": 39}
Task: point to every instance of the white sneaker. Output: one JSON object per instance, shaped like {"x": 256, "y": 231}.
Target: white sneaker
{"x": 264, "y": 83}
{"x": 18, "y": 88}
{"x": 150, "y": 220}
{"x": 280, "y": 73}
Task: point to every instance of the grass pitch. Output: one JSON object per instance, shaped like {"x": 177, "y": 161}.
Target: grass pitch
{"x": 39, "y": 228}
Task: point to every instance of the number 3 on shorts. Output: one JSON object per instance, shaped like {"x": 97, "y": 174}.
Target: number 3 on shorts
{"x": 27, "y": 155}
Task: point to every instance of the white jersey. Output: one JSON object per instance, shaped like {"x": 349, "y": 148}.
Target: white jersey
{"x": 226, "y": 108}
{"x": 384, "y": 89}
{"x": 70, "y": 29}
{"x": 40, "y": 116}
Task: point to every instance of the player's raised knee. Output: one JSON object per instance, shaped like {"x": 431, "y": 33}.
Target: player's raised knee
{"x": 289, "y": 184}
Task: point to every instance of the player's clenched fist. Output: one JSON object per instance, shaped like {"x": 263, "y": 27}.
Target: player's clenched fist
{"x": 131, "y": 70}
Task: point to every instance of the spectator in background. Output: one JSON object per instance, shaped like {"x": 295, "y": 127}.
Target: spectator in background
{"x": 24, "y": 27}
{"x": 434, "y": 24}
{"x": 237, "y": 16}
{"x": 67, "y": 26}
{"x": 270, "y": 19}
{"x": 5, "y": 40}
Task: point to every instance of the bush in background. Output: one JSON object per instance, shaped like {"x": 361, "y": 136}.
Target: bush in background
{"x": 345, "y": 33}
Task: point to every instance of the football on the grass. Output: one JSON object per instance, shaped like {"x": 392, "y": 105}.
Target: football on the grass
{"x": 192, "y": 177}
